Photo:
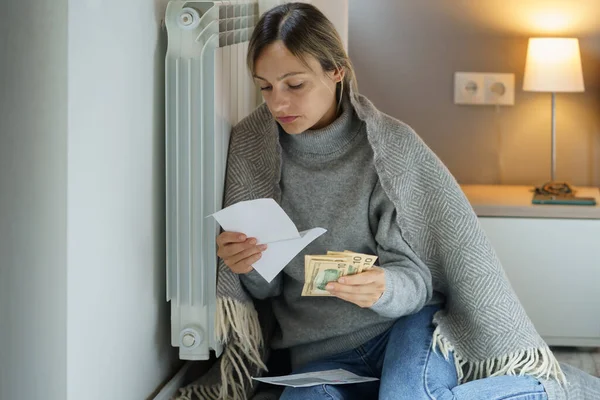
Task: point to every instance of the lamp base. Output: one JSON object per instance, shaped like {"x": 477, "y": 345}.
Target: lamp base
{"x": 560, "y": 193}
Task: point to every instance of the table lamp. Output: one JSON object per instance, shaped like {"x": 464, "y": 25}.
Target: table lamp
{"x": 553, "y": 65}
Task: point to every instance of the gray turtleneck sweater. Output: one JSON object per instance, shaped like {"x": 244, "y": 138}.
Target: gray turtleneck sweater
{"x": 328, "y": 180}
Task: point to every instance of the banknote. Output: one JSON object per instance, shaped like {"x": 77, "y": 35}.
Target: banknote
{"x": 362, "y": 262}
{"x": 319, "y": 270}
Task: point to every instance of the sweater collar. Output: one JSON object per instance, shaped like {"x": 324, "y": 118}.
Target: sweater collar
{"x": 331, "y": 139}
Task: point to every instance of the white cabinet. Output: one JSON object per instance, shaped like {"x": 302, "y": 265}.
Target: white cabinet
{"x": 551, "y": 255}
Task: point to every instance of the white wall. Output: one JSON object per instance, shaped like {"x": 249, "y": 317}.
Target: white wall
{"x": 118, "y": 319}
{"x": 82, "y": 304}
{"x": 33, "y": 117}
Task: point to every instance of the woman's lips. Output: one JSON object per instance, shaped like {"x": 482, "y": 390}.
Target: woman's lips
{"x": 286, "y": 120}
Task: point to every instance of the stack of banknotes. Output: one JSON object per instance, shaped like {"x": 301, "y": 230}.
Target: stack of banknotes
{"x": 321, "y": 269}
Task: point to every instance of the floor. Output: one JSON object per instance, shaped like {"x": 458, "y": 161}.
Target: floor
{"x": 585, "y": 359}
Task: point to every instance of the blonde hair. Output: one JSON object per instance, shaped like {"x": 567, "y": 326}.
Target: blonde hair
{"x": 304, "y": 31}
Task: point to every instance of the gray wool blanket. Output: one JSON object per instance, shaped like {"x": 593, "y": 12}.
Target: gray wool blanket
{"x": 483, "y": 322}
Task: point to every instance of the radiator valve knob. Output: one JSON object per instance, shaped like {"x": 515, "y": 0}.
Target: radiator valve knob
{"x": 191, "y": 337}
{"x": 189, "y": 18}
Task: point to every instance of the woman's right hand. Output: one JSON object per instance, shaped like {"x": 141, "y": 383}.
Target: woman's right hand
{"x": 238, "y": 251}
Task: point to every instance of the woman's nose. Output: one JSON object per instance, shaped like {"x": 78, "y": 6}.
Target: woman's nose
{"x": 280, "y": 100}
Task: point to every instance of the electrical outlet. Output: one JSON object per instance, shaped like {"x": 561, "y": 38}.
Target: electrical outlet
{"x": 499, "y": 89}
{"x": 484, "y": 88}
{"x": 468, "y": 88}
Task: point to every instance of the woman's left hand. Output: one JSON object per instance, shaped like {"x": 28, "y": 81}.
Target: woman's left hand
{"x": 362, "y": 289}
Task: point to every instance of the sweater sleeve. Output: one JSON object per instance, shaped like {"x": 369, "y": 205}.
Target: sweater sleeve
{"x": 408, "y": 281}
{"x": 258, "y": 287}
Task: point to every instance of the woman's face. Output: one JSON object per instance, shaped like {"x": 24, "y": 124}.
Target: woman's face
{"x": 298, "y": 97}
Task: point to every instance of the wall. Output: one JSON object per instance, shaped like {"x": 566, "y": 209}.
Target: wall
{"x": 82, "y": 301}
{"x": 406, "y": 53}
{"x": 33, "y": 181}
{"x": 118, "y": 319}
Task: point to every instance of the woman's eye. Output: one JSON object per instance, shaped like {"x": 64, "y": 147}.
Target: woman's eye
{"x": 266, "y": 88}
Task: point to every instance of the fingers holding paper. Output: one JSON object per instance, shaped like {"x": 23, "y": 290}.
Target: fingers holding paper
{"x": 264, "y": 220}
{"x": 238, "y": 251}
{"x": 363, "y": 289}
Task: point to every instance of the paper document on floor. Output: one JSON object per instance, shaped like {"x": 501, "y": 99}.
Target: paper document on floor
{"x": 330, "y": 377}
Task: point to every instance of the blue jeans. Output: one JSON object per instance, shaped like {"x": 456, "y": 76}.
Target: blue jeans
{"x": 403, "y": 359}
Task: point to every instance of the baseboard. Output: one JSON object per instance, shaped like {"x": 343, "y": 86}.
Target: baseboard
{"x": 170, "y": 388}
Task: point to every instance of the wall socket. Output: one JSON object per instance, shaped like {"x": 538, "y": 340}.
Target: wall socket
{"x": 483, "y": 88}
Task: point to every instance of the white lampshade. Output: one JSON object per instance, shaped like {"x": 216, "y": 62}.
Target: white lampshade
{"x": 553, "y": 65}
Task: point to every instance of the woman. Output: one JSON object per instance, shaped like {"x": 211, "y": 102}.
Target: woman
{"x": 380, "y": 322}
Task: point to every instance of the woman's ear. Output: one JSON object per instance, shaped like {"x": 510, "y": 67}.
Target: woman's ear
{"x": 338, "y": 74}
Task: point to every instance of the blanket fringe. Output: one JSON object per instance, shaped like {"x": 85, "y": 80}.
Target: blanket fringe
{"x": 538, "y": 362}
{"x": 240, "y": 321}
{"x": 201, "y": 393}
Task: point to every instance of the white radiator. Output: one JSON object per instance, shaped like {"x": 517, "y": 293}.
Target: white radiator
{"x": 208, "y": 90}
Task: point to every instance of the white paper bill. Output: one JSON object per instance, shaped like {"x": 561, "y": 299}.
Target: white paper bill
{"x": 330, "y": 377}
{"x": 279, "y": 254}
{"x": 265, "y": 220}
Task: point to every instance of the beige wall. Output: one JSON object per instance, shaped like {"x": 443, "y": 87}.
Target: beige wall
{"x": 406, "y": 53}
